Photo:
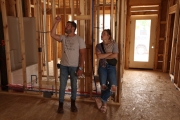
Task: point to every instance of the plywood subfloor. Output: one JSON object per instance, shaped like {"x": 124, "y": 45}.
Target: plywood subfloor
{"x": 146, "y": 95}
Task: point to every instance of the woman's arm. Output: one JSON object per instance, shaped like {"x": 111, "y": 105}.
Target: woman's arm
{"x": 101, "y": 56}
{"x": 113, "y": 55}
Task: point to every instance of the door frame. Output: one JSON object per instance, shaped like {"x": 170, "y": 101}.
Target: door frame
{"x": 144, "y": 65}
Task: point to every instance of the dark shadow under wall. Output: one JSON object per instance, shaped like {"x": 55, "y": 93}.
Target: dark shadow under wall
{"x": 3, "y": 67}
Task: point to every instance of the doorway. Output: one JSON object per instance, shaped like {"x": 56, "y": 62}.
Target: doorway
{"x": 142, "y": 41}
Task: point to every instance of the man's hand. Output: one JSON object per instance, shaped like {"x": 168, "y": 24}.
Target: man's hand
{"x": 57, "y": 19}
{"x": 79, "y": 72}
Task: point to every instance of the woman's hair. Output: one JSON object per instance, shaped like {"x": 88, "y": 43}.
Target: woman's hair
{"x": 109, "y": 33}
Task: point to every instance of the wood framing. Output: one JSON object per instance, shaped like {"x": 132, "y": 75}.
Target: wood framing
{"x": 144, "y": 2}
{"x": 177, "y": 68}
{"x": 127, "y": 48}
{"x": 173, "y": 9}
{"x": 11, "y": 11}
{"x": 144, "y": 13}
{"x": 28, "y": 8}
{"x": 112, "y": 16}
{"x": 174, "y": 44}
{"x": 157, "y": 39}
{"x": 153, "y": 8}
{"x": 82, "y": 17}
{"x": 36, "y": 15}
{"x": 6, "y": 39}
{"x": 21, "y": 32}
{"x": 54, "y": 49}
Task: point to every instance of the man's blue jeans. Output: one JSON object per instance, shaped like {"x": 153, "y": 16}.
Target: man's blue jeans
{"x": 65, "y": 71}
{"x": 107, "y": 75}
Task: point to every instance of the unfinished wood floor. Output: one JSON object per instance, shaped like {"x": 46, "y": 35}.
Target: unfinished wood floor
{"x": 146, "y": 95}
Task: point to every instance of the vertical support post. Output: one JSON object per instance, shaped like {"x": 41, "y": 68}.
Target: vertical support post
{"x": 45, "y": 39}
{"x": 81, "y": 28}
{"x": 49, "y": 40}
{"x": 157, "y": 38}
{"x": 117, "y": 27}
{"x": 64, "y": 7}
{"x": 104, "y": 2}
{"x": 6, "y": 39}
{"x": 28, "y": 8}
{"x": 177, "y": 67}
{"x": 36, "y": 15}
{"x": 174, "y": 43}
{"x": 127, "y": 36}
{"x": 59, "y": 3}
{"x": 21, "y": 32}
{"x": 112, "y": 16}
{"x": 92, "y": 39}
{"x": 54, "y": 48}
{"x": 48, "y": 4}
{"x": 98, "y": 27}
{"x": 72, "y": 9}
{"x": 11, "y": 11}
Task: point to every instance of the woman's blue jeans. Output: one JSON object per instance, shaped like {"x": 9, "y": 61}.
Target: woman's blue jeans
{"x": 65, "y": 71}
{"x": 107, "y": 76}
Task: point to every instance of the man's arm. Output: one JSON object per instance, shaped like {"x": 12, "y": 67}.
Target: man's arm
{"x": 53, "y": 31}
{"x": 82, "y": 53}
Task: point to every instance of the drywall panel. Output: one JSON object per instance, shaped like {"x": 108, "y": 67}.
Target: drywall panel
{"x": 30, "y": 41}
{"x": 31, "y": 48}
{"x": 14, "y": 40}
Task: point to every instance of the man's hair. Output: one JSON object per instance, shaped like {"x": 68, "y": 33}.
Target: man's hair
{"x": 73, "y": 24}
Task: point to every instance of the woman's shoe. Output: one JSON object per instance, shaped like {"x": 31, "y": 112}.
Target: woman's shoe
{"x": 113, "y": 88}
{"x": 103, "y": 108}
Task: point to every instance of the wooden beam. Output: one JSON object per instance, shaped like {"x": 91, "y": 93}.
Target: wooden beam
{"x": 49, "y": 40}
{"x": 144, "y": 8}
{"x": 112, "y": 16}
{"x": 55, "y": 54}
{"x": 21, "y": 33}
{"x": 174, "y": 44}
{"x": 104, "y": 2}
{"x": 59, "y": 3}
{"x": 157, "y": 38}
{"x": 92, "y": 38}
{"x": 72, "y": 9}
{"x": 6, "y": 39}
{"x": 178, "y": 51}
{"x": 127, "y": 44}
{"x": 82, "y": 17}
{"x": 82, "y": 34}
{"x": 28, "y": 8}
{"x": 163, "y": 22}
{"x": 144, "y": 13}
{"x": 144, "y": 2}
{"x": 172, "y": 9}
{"x": 65, "y": 12}
{"x": 36, "y": 15}
{"x": 167, "y": 42}
{"x": 48, "y": 4}
{"x": 11, "y": 11}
